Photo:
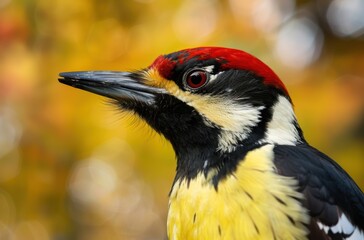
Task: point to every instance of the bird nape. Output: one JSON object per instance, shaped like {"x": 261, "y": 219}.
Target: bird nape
{"x": 244, "y": 169}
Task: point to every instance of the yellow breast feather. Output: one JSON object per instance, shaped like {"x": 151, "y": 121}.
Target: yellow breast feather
{"x": 252, "y": 203}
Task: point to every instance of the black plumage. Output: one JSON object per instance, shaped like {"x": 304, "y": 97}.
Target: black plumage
{"x": 328, "y": 190}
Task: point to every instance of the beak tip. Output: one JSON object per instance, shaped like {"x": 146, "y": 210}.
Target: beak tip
{"x": 65, "y": 78}
{"x": 69, "y": 78}
{"x": 62, "y": 80}
{"x": 72, "y": 78}
{"x": 72, "y": 75}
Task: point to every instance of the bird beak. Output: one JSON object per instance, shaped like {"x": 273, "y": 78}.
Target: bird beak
{"x": 112, "y": 84}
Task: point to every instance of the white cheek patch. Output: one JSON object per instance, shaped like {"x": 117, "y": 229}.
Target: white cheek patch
{"x": 281, "y": 129}
{"x": 228, "y": 140}
{"x": 229, "y": 116}
{"x": 243, "y": 118}
{"x": 234, "y": 119}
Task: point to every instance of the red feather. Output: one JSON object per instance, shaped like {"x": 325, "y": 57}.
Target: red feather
{"x": 229, "y": 59}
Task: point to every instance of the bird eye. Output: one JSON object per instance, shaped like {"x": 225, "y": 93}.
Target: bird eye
{"x": 196, "y": 79}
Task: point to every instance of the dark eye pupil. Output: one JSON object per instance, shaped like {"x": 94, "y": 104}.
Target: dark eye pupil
{"x": 196, "y": 79}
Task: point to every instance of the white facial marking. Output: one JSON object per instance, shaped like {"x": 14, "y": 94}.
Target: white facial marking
{"x": 281, "y": 128}
{"x": 343, "y": 226}
{"x": 210, "y": 69}
{"x": 357, "y": 234}
{"x": 229, "y": 139}
{"x": 242, "y": 118}
{"x": 205, "y": 164}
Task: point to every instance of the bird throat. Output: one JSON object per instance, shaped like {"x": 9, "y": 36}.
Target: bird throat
{"x": 252, "y": 203}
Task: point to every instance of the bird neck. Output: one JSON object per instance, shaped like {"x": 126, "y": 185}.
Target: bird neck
{"x": 283, "y": 128}
{"x": 195, "y": 161}
{"x": 223, "y": 149}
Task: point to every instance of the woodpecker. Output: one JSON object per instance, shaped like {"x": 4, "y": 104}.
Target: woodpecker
{"x": 244, "y": 168}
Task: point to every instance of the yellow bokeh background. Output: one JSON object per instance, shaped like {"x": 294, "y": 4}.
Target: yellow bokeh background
{"x": 73, "y": 167}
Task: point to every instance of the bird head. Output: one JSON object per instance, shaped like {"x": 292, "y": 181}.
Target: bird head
{"x": 207, "y": 102}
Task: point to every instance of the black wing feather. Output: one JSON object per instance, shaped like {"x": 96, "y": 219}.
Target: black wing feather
{"x": 329, "y": 191}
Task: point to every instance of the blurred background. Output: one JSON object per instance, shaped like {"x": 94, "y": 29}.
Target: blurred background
{"x": 73, "y": 167}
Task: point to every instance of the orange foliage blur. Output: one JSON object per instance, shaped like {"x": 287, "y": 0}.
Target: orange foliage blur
{"x": 72, "y": 167}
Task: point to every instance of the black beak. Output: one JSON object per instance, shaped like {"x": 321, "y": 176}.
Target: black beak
{"x": 116, "y": 85}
